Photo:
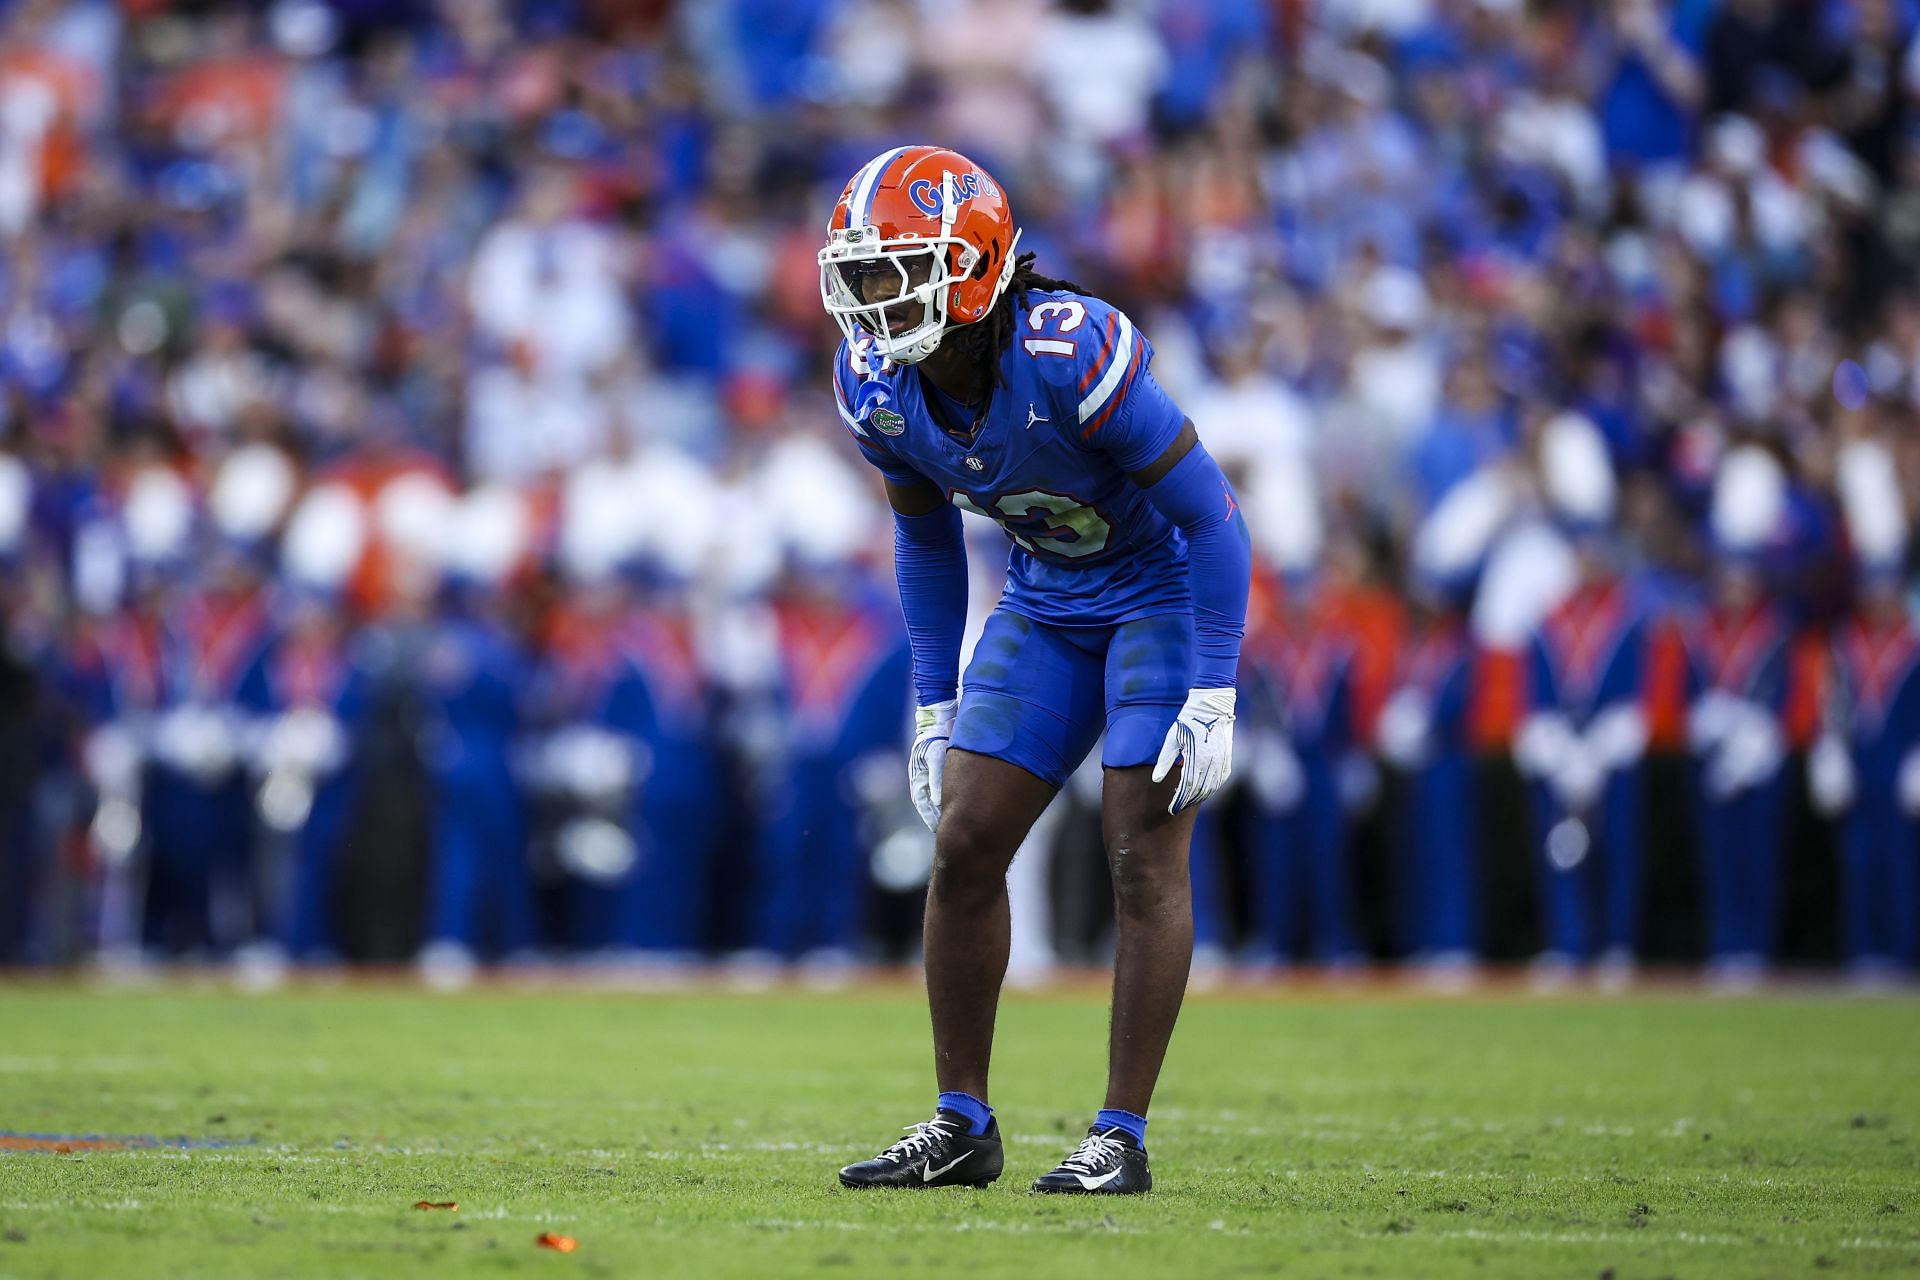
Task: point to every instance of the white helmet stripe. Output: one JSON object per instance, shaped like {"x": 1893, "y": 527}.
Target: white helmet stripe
{"x": 860, "y": 208}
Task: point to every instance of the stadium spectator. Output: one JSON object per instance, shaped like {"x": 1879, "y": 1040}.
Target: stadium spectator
{"x": 556, "y": 259}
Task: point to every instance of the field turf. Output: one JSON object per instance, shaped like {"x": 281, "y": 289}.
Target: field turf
{"x": 697, "y": 1134}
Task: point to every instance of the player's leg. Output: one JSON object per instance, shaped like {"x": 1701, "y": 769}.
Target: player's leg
{"x": 1033, "y": 703}
{"x": 986, "y": 809}
{"x": 1149, "y": 853}
{"x": 1030, "y": 710}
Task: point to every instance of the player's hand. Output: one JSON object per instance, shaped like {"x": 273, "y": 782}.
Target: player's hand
{"x": 927, "y": 761}
{"x": 1201, "y": 742}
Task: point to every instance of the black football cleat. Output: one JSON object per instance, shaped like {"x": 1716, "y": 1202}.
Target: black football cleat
{"x": 1108, "y": 1163}
{"x": 935, "y": 1153}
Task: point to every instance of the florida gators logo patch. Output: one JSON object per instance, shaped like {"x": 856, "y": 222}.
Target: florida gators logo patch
{"x": 888, "y": 422}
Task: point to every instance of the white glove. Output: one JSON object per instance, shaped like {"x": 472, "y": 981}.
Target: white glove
{"x": 1710, "y": 719}
{"x": 927, "y": 761}
{"x": 1543, "y": 743}
{"x": 305, "y": 740}
{"x": 200, "y": 741}
{"x": 112, "y": 758}
{"x": 1278, "y": 780}
{"x": 1830, "y": 775}
{"x": 1749, "y": 754}
{"x": 1579, "y": 779}
{"x": 1617, "y": 737}
{"x": 1201, "y": 741}
{"x": 1406, "y": 729}
{"x": 593, "y": 765}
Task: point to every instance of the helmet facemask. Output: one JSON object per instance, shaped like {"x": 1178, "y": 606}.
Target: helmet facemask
{"x": 910, "y": 277}
{"x": 907, "y": 281}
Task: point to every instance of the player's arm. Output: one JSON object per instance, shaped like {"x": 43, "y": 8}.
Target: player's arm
{"x": 1186, "y": 486}
{"x": 930, "y": 566}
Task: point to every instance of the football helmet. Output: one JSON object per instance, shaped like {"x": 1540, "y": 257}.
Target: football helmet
{"x": 921, "y": 239}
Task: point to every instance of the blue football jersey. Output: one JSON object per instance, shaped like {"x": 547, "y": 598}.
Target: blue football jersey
{"x": 1079, "y": 410}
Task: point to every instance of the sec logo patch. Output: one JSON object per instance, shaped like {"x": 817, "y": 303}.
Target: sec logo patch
{"x": 889, "y": 422}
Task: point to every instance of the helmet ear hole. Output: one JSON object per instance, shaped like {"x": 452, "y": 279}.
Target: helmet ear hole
{"x": 986, "y": 263}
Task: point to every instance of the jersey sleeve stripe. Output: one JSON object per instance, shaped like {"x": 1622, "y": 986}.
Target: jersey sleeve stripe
{"x": 1106, "y": 392}
{"x": 1099, "y": 362}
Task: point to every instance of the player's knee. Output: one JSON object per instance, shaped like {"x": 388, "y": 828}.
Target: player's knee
{"x": 969, "y": 861}
{"x": 1146, "y": 883}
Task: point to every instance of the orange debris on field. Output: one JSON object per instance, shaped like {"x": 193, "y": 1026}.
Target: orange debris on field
{"x": 436, "y": 1204}
{"x": 58, "y": 1146}
{"x": 548, "y": 1240}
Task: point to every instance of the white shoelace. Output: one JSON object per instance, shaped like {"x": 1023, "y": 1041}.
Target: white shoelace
{"x": 1098, "y": 1149}
{"x": 921, "y": 1137}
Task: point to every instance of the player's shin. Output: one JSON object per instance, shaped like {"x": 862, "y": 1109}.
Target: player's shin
{"x": 989, "y": 807}
{"x": 1147, "y": 850}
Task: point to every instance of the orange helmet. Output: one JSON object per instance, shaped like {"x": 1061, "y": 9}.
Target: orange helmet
{"x": 921, "y": 239}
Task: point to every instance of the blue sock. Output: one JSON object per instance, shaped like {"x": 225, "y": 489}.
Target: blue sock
{"x": 1125, "y": 1121}
{"x": 979, "y": 1115}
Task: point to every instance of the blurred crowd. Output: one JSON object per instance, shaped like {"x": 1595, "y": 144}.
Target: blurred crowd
{"x": 425, "y": 532}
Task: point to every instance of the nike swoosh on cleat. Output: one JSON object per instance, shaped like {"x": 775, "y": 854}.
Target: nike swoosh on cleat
{"x": 1094, "y": 1184}
{"x": 928, "y": 1173}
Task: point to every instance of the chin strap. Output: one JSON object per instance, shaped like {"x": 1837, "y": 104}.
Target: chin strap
{"x": 874, "y": 392}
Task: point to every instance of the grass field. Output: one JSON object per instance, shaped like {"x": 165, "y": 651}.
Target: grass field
{"x": 698, "y": 1134}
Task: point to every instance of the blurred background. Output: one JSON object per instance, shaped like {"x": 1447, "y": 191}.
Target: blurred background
{"x": 428, "y": 538}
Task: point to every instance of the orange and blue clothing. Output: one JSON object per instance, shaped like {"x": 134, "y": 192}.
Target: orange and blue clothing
{"x": 1300, "y": 695}
{"x": 318, "y": 672}
{"x": 1877, "y": 674}
{"x": 1439, "y": 822}
{"x": 1738, "y": 664}
{"x": 480, "y": 889}
{"x": 1587, "y": 671}
{"x": 188, "y": 678}
{"x": 663, "y": 698}
{"x": 844, "y": 692}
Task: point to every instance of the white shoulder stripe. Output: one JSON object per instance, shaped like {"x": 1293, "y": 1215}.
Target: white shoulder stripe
{"x": 1116, "y": 370}
{"x": 860, "y": 209}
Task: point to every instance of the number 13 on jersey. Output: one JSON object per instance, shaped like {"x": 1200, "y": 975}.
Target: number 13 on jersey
{"x": 1066, "y": 315}
{"x": 1044, "y": 524}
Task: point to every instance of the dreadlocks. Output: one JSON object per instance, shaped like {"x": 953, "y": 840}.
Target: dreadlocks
{"x": 986, "y": 341}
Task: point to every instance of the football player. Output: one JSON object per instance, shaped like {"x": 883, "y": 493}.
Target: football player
{"x": 972, "y": 382}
